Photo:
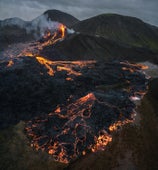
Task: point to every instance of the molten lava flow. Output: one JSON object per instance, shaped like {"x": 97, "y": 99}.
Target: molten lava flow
{"x": 68, "y": 66}
{"x": 10, "y": 63}
{"x": 69, "y": 70}
{"x": 71, "y": 123}
{"x": 140, "y": 66}
{"x": 101, "y": 141}
{"x": 52, "y": 39}
{"x": 47, "y": 64}
{"x": 88, "y": 97}
{"x": 87, "y": 119}
{"x": 128, "y": 69}
{"x": 62, "y": 28}
{"x": 104, "y": 138}
{"x": 119, "y": 124}
{"x": 49, "y": 38}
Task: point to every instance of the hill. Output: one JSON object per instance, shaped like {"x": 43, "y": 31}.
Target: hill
{"x": 87, "y": 47}
{"x": 125, "y": 29}
{"x": 59, "y": 16}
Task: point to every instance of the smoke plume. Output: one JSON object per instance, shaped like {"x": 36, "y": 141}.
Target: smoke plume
{"x": 37, "y": 27}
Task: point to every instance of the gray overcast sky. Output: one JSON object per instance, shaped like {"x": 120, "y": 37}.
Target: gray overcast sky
{"x": 82, "y": 9}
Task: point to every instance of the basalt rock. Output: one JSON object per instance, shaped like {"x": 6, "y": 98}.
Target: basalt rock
{"x": 93, "y": 110}
{"x": 72, "y": 106}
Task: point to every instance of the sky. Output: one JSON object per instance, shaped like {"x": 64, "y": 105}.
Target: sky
{"x": 81, "y": 9}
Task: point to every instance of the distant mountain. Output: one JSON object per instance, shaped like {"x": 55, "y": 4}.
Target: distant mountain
{"x": 128, "y": 30}
{"x": 13, "y": 21}
{"x": 13, "y": 30}
{"x": 59, "y": 16}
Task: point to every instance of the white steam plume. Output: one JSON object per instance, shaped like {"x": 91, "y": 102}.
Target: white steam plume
{"x": 37, "y": 27}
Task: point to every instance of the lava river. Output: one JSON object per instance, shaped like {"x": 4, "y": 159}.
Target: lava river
{"x": 102, "y": 99}
{"x": 97, "y": 107}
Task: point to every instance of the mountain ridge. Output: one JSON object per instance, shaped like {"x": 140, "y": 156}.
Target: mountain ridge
{"x": 129, "y": 30}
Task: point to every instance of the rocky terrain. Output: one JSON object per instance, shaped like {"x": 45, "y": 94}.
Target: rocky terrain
{"x": 85, "y": 92}
{"x": 67, "y": 94}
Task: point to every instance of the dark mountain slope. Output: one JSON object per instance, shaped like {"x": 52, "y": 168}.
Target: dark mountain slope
{"x": 56, "y": 15}
{"x": 84, "y": 47}
{"x": 120, "y": 28}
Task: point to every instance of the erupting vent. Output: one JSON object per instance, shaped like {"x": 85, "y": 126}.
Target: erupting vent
{"x": 50, "y": 37}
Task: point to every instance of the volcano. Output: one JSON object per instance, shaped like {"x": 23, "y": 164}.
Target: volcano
{"x": 110, "y": 37}
{"x": 72, "y": 89}
{"x": 62, "y": 17}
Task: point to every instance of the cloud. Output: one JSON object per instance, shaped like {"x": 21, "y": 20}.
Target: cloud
{"x": 29, "y": 9}
{"x": 26, "y": 10}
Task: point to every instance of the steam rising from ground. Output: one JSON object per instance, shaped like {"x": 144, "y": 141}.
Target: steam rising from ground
{"x": 42, "y": 23}
{"x": 37, "y": 26}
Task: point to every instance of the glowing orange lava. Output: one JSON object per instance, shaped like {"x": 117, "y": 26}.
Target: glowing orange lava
{"x": 67, "y": 66}
{"x": 118, "y": 124}
{"x": 47, "y": 64}
{"x": 10, "y": 63}
{"x": 141, "y": 66}
{"x": 88, "y": 97}
{"x": 62, "y": 28}
{"x": 49, "y": 38}
{"x": 77, "y": 115}
{"x": 101, "y": 141}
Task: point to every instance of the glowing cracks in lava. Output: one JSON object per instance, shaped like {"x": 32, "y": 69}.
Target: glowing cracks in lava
{"x": 83, "y": 124}
{"x": 57, "y": 36}
{"x": 88, "y": 97}
{"x": 140, "y": 66}
{"x": 115, "y": 126}
{"x": 62, "y": 28}
{"x": 47, "y": 64}
{"x": 49, "y": 38}
{"x": 104, "y": 138}
{"x": 101, "y": 141}
{"x": 68, "y": 66}
{"x": 10, "y": 63}
{"x": 128, "y": 69}
{"x": 61, "y": 156}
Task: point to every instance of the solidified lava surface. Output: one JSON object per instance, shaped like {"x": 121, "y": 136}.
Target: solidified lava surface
{"x": 70, "y": 107}
{"x": 100, "y": 102}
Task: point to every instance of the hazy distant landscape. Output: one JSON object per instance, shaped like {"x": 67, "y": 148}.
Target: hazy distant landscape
{"x": 78, "y": 94}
